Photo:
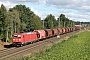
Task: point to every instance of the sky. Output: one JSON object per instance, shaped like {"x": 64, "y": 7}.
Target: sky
{"x": 76, "y": 10}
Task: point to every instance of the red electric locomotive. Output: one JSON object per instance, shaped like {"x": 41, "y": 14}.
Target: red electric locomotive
{"x": 20, "y": 39}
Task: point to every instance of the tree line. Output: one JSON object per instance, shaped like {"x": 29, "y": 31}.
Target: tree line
{"x": 21, "y": 19}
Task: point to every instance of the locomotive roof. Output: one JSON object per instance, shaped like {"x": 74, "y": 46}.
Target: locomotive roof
{"x": 24, "y": 33}
{"x": 29, "y": 33}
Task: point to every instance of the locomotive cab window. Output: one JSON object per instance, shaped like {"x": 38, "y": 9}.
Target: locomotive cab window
{"x": 15, "y": 36}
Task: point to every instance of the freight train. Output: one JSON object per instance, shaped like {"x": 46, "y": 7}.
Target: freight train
{"x": 20, "y": 39}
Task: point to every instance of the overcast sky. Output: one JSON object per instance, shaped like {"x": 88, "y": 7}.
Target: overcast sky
{"x": 77, "y": 10}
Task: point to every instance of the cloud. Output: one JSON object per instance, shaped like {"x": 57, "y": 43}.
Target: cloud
{"x": 24, "y": 1}
{"x": 36, "y": 12}
{"x": 70, "y": 4}
{"x": 7, "y": 4}
{"x": 78, "y": 16}
{"x": 79, "y": 10}
{"x": 82, "y": 8}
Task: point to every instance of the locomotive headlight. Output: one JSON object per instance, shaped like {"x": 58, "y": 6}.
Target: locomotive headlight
{"x": 13, "y": 39}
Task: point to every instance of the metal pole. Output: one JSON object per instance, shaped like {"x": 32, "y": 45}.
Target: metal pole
{"x": 43, "y": 23}
{"x": 15, "y": 27}
{"x": 12, "y": 24}
{"x": 73, "y": 25}
{"x": 59, "y": 22}
{"x": 52, "y": 24}
{"x": 89, "y": 24}
{"x": 13, "y": 16}
{"x": 58, "y": 36}
{"x": 80, "y": 25}
{"x": 64, "y": 24}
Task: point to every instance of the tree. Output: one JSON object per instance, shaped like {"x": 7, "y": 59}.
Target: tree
{"x": 2, "y": 20}
{"x": 65, "y": 22}
{"x": 6, "y": 21}
{"x": 50, "y": 22}
{"x": 11, "y": 23}
{"x": 36, "y": 22}
{"x": 27, "y": 18}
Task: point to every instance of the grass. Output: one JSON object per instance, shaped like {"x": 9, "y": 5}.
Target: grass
{"x": 76, "y": 47}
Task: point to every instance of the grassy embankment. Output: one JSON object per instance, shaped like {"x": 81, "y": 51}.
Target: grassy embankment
{"x": 76, "y": 47}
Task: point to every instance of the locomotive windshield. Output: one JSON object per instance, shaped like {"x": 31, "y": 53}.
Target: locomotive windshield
{"x": 17, "y": 36}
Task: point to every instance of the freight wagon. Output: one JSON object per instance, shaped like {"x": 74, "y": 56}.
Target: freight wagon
{"x": 78, "y": 27}
{"x": 41, "y": 34}
{"x": 60, "y": 30}
{"x": 54, "y": 32}
{"x": 66, "y": 30}
{"x": 63, "y": 30}
{"x": 48, "y": 32}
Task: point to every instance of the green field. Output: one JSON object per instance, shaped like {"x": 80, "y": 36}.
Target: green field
{"x": 76, "y": 47}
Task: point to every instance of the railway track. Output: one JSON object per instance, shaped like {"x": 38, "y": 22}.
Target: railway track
{"x": 2, "y": 52}
{"x": 14, "y": 52}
